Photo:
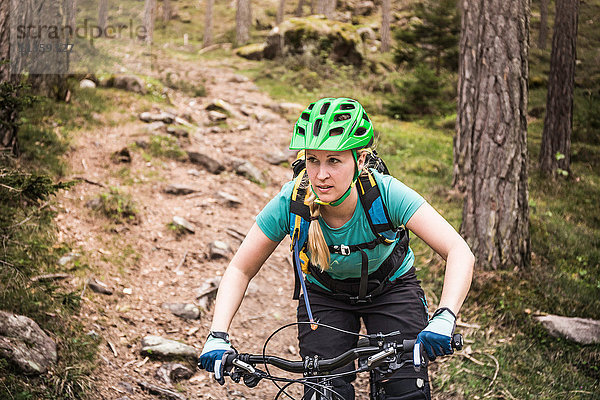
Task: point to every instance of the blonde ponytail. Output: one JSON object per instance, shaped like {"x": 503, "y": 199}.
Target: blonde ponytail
{"x": 319, "y": 251}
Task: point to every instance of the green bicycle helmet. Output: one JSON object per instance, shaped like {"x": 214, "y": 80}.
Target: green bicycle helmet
{"x": 332, "y": 124}
{"x": 337, "y": 125}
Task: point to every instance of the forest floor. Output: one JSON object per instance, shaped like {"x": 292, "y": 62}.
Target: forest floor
{"x": 147, "y": 263}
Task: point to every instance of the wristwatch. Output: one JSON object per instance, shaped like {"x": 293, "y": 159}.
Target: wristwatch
{"x": 220, "y": 335}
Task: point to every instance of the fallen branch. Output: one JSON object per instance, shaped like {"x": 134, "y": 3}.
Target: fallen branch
{"x": 507, "y": 393}
{"x": 235, "y": 234}
{"x": 31, "y": 216}
{"x": 154, "y": 389}
{"x": 495, "y": 373}
{"x": 466, "y": 325}
{"x": 112, "y": 348}
{"x": 10, "y": 188}
{"x": 50, "y": 277}
{"x": 473, "y": 373}
{"x": 86, "y": 180}
{"x": 470, "y": 358}
{"x": 181, "y": 262}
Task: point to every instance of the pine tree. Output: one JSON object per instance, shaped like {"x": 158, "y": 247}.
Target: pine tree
{"x": 433, "y": 38}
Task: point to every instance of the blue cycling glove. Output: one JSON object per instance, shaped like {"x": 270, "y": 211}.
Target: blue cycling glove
{"x": 436, "y": 338}
{"x": 211, "y": 358}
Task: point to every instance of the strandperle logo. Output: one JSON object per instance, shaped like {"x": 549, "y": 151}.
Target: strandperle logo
{"x": 50, "y": 37}
{"x": 84, "y": 30}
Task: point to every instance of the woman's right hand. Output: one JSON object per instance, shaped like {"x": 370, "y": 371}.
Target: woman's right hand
{"x": 215, "y": 349}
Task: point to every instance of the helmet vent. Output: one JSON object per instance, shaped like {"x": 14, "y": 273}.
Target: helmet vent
{"x": 336, "y": 131}
{"x": 365, "y": 117}
{"x": 301, "y": 131}
{"x": 341, "y": 117}
{"x": 360, "y": 132}
{"x": 311, "y": 105}
{"x": 347, "y": 107}
{"x": 305, "y": 116}
{"x": 324, "y": 108}
{"x": 317, "y": 127}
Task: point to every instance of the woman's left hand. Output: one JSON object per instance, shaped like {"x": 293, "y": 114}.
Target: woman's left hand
{"x": 436, "y": 338}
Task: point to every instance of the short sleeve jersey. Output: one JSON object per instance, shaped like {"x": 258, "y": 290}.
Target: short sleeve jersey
{"x": 401, "y": 203}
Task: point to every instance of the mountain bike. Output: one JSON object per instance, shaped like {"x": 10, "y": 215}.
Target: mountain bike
{"x": 376, "y": 354}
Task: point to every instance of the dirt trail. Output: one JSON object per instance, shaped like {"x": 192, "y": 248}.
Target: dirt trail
{"x": 141, "y": 261}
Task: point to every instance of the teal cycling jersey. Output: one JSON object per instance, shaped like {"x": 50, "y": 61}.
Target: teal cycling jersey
{"x": 401, "y": 203}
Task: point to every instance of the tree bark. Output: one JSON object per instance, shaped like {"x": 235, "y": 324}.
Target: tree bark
{"x": 385, "y": 26}
{"x": 320, "y": 6}
{"x": 8, "y": 131}
{"x": 243, "y": 19}
{"x": 299, "y": 10}
{"x": 72, "y": 15}
{"x": 280, "y": 12}
{"x": 490, "y": 149}
{"x": 208, "y": 24}
{"x": 149, "y": 16}
{"x": 102, "y": 15}
{"x": 166, "y": 11}
{"x": 4, "y": 40}
{"x": 330, "y": 6}
{"x": 543, "y": 34}
{"x": 558, "y": 123}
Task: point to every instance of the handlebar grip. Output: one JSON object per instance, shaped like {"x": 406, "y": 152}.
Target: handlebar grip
{"x": 457, "y": 341}
{"x": 228, "y": 360}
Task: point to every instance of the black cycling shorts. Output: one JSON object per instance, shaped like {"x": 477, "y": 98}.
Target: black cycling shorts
{"x": 400, "y": 307}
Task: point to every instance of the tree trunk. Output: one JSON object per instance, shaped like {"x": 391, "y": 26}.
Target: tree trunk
{"x": 72, "y": 15}
{"x": 4, "y": 40}
{"x": 490, "y": 148}
{"x": 102, "y": 15}
{"x": 243, "y": 19}
{"x": 8, "y": 131}
{"x": 166, "y": 10}
{"x": 320, "y": 6}
{"x": 330, "y": 6}
{"x": 280, "y": 12}
{"x": 299, "y": 11}
{"x": 543, "y": 24}
{"x": 149, "y": 15}
{"x": 558, "y": 124}
{"x": 208, "y": 23}
{"x": 385, "y": 26}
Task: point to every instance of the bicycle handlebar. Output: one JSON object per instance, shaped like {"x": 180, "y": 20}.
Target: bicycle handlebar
{"x": 375, "y": 354}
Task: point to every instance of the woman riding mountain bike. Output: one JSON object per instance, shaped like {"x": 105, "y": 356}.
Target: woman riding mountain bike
{"x": 349, "y": 222}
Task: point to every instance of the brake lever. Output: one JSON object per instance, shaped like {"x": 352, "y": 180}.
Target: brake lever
{"x": 245, "y": 366}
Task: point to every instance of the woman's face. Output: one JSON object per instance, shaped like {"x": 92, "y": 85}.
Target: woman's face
{"x": 330, "y": 172}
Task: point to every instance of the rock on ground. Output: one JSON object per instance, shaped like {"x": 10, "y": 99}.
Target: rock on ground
{"x": 130, "y": 83}
{"x": 25, "y": 344}
{"x": 314, "y": 35}
{"x": 183, "y": 310}
{"x": 178, "y": 189}
{"x": 158, "y": 347}
{"x": 208, "y": 163}
{"x": 218, "y": 249}
{"x": 250, "y": 171}
{"x": 173, "y": 372}
{"x": 182, "y": 222}
{"x": 580, "y": 330}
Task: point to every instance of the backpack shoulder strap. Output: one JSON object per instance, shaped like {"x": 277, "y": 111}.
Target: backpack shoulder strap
{"x": 299, "y": 224}
{"x": 375, "y": 209}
